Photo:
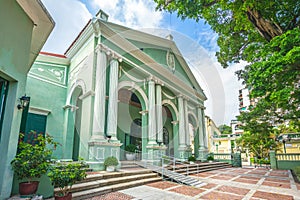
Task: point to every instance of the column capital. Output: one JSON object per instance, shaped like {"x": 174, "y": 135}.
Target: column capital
{"x": 151, "y": 78}
{"x": 116, "y": 56}
{"x": 180, "y": 96}
{"x": 201, "y": 107}
{"x": 109, "y": 52}
{"x": 101, "y": 47}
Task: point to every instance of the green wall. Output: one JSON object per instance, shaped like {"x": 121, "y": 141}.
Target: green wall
{"x": 40, "y": 91}
{"x": 15, "y": 43}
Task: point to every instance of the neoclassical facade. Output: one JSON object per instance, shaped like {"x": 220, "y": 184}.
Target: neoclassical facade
{"x": 117, "y": 86}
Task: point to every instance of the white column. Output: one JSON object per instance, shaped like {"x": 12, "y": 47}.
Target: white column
{"x": 99, "y": 99}
{"x": 159, "y": 120}
{"x": 186, "y": 123}
{"x": 205, "y": 138}
{"x": 151, "y": 116}
{"x": 113, "y": 101}
{"x": 201, "y": 137}
{"x": 181, "y": 119}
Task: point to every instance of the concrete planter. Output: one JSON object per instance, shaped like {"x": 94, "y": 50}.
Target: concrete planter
{"x": 130, "y": 156}
{"x": 110, "y": 168}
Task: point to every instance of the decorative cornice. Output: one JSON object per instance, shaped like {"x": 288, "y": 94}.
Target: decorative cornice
{"x": 71, "y": 107}
{"x": 39, "y": 111}
{"x": 93, "y": 143}
{"x": 175, "y": 122}
{"x": 143, "y": 112}
{"x": 87, "y": 94}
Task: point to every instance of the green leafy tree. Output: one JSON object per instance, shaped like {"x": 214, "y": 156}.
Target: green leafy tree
{"x": 266, "y": 34}
{"x": 225, "y": 129}
{"x": 257, "y": 143}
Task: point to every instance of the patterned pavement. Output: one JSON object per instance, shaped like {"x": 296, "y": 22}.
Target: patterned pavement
{"x": 224, "y": 184}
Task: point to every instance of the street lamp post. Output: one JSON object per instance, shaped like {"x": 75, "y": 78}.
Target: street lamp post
{"x": 283, "y": 141}
{"x": 285, "y": 138}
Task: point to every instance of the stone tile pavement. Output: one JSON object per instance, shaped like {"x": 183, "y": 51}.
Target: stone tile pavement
{"x": 224, "y": 184}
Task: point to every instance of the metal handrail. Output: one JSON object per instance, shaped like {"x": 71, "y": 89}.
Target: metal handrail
{"x": 173, "y": 160}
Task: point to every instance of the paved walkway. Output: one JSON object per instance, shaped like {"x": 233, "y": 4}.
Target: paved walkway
{"x": 224, "y": 184}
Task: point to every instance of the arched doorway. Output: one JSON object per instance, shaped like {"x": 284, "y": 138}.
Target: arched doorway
{"x": 192, "y": 137}
{"x": 136, "y": 134}
{"x": 130, "y": 120}
{"x": 168, "y": 136}
{"x": 76, "y": 108}
{"x": 193, "y": 133}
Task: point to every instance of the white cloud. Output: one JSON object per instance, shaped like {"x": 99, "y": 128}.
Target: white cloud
{"x": 70, "y": 17}
{"x": 131, "y": 13}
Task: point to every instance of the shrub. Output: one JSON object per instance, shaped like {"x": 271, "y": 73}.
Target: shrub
{"x": 64, "y": 175}
{"x": 111, "y": 161}
{"x": 33, "y": 159}
{"x": 192, "y": 159}
{"x": 210, "y": 157}
{"x": 297, "y": 171}
{"x": 130, "y": 148}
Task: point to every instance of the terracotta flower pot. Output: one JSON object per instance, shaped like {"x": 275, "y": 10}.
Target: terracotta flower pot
{"x": 27, "y": 188}
{"x": 67, "y": 197}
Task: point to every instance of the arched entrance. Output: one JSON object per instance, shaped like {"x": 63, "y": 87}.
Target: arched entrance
{"x": 76, "y": 109}
{"x": 193, "y": 134}
{"x": 168, "y": 131}
{"x": 132, "y": 122}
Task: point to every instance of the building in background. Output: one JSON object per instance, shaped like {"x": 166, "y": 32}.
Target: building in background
{"x": 289, "y": 143}
{"x": 25, "y": 27}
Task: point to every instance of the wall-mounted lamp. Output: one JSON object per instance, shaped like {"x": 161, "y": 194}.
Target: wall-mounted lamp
{"x": 24, "y": 101}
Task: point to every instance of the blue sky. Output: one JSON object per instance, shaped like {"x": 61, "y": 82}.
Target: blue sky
{"x": 196, "y": 41}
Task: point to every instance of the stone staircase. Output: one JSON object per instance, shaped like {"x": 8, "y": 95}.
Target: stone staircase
{"x": 98, "y": 183}
{"x": 187, "y": 169}
{"x": 129, "y": 165}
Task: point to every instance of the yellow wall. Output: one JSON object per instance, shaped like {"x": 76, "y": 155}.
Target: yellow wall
{"x": 290, "y": 148}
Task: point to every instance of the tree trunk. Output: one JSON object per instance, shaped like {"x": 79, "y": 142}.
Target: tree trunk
{"x": 266, "y": 28}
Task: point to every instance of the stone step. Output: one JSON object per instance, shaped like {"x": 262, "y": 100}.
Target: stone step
{"x": 128, "y": 164}
{"x": 111, "y": 181}
{"x": 111, "y": 188}
{"x": 106, "y": 175}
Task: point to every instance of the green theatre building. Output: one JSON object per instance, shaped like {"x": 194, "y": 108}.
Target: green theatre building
{"x": 116, "y": 86}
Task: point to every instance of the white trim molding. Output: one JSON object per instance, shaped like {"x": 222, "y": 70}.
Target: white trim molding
{"x": 39, "y": 111}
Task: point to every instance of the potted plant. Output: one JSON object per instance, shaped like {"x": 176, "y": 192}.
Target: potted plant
{"x": 130, "y": 151}
{"x": 63, "y": 175}
{"x": 210, "y": 157}
{"x": 32, "y": 160}
{"x": 110, "y": 163}
{"x": 192, "y": 159}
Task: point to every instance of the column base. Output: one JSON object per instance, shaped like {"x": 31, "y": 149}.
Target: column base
{"x": 203, "y": 153}
{"x": 184, "y": 152}
{"x": 98, "y": 151}
{"x": 155, "y": 153}
{"x": 97, "y": 138}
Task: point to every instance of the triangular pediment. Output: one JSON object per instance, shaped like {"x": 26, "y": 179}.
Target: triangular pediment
{"x": 159, "y": 54}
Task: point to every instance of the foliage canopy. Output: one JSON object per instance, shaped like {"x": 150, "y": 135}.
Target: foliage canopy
{"x": 266, "y": 34}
